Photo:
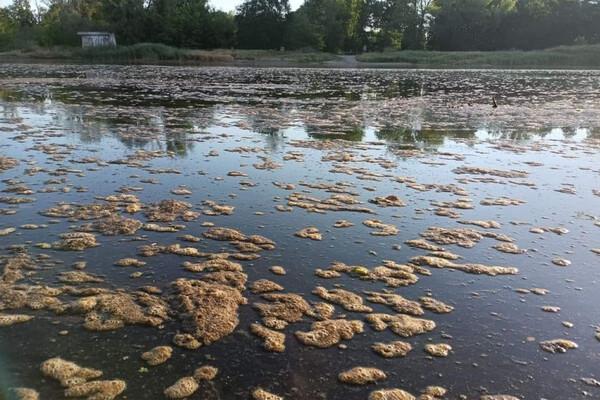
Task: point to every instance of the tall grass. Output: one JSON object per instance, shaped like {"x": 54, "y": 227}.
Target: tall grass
{"x": 564, "y": 56}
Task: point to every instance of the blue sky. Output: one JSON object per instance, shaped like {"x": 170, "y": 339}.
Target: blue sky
{"x": 226, "y": 5}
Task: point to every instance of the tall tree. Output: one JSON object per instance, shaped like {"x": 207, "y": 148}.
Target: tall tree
{"x": 261, "y": 23}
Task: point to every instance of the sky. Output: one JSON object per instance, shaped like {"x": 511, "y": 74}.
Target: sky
{"x": 225, "y": 5}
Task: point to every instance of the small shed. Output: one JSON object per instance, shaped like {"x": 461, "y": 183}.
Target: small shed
{"x": 97, "y": 39}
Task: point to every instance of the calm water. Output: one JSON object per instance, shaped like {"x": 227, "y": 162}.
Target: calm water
{"x": 420, "y": 124}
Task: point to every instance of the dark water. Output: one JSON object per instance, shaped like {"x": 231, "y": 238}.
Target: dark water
{"x": 424, "y": 123}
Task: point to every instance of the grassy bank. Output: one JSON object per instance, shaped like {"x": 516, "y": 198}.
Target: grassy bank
{"x": 159, "y": 53}
{"x": 585, "y": 56}
{"x": 559, "y": 57}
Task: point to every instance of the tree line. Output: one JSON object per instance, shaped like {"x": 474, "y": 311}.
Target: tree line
{"x": 326, "y": 25}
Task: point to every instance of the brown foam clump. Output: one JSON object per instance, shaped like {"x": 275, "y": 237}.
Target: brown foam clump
{"x": 184, "y": 387}
{"x": 433, "y": 392}
{"x": 489, "y": 171}
{"x": 423, "y": 244}
{"x": 463, "y": 237}
{"x": 7, "y": 163}
{"x": 114, "y": 225}
{"x": 348, "y": 300}
{"x": 478, "y": 269}
{"x": 509, "y": 248}
{"x": 273, "y": 340}
{"x": 130, "y": 262}
{"x": 501, "y": 201}
{"x": 396, "y": 302}
{"x": 12, "y": 319}
{"x": 217, "y": 264}
{"x": 78, "y": 277}
{"x": 400, "y": 324}
{"x": 157, "y": 355}
{"x": 286, "y": 307}
{"x": 437, "y": 306}
{"x": 75, "y": 241}
{"x": 170, "y": 210}
{"x": 330, "y": 332}
{"x": 482, "y": 224}
{"x": 342, "y": 223}
{"x": 558, "y": 345}
{"x": 224, "y": 234}
{"x": 68, "y": 373}
{"x": 22, "y": 393}
{"x": 321, "y": 311}
{"x": 388, "y": 201}
{"x": 393, "y": 349}
{"x": 186, "y": 341}
{"x": 333, "y": 203}
{"x": 438, "y": 350}
{"x": 97, "y": 390}
{"x": 277, "y": 270}
{"x": 311, "y": 233}
{"x": 209, "y": 310}
{"x": 391, "y": 394}
{"x": 217, "y": 209}
{"x": 111, "y": 311}
{"x": 362, "y": 376}
{"x": 205, "y": 373}
{"x": 261, "y": 394}
{"x": 381, "y": 229}
{"x": 265, "y": 286}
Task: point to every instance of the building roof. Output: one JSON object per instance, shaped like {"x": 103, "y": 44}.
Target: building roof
{"x": 94, "y": 33}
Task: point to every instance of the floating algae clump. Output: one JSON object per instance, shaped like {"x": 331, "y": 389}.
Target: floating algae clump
{"x": 205, "y": 373}
{"x": 388, "y": 201}
{"x": 287, "y": 307}
{"x": 130, "y": 262}
{"x": 309, "y": 233}
{"x": 362, "y": 376}
{"x": 170, "y": 210}
{"x": 75, "y": 241}
{"x": 330, "y": 332}
{"x": 186, "y": 341}
{"x": 24, "y": 394}
{"x": 273, "y": 340}
{"x": 184, "y": 387}
{"x": 264, "y": 286}
{"x": 463, "y": 237}
{"x": 116, "y": 225}
{"x": 381, "y": 229}
{"x": 7, "y": 163}
{"x": 224, "y": 234}
{"x": 393, "y": 349}
{"x": 431, "y": 304}
{"x": 558, "y": 345}
{"x": 400, "y": 324}
{"x": 391, "y": 394}
{"x": 396, "y": 302}
{"x": 97, "y": 390}
{"x": 115, "y": 310}
{"x": 67, "y": 372}
{"x": 8, "y": 320}
{"x": 209, "y": 310}
{"x": 438, "y": 350}
{"x": 350, "y": 301}
{"x": 157, "y": 355}
{"x": 261, "y": 394}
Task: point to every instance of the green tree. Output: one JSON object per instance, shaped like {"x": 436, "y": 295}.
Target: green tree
{"x": 261, "y": 23}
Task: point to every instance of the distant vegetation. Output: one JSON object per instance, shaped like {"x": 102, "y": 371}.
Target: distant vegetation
{"x": 331, "y": 26}
{"x": 564, "y": 56}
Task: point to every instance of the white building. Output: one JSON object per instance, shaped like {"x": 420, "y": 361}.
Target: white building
{"x": 97, "y": 39}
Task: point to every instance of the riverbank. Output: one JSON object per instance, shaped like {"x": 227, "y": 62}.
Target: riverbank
{"x": 565, "y": 57}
